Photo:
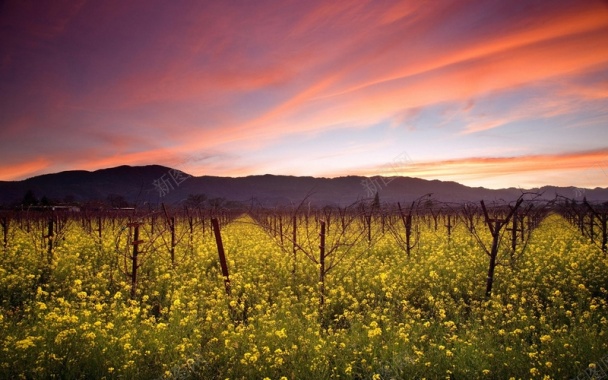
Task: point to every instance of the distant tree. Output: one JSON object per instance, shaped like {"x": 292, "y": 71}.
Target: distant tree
{"x": 93, "y": 205}
{"x": 45, "y": 201}
{"x": 116, "y": 201}
{"x": 376, "y": 202}
{"x": 216, "y": 203}
{"x": 196, "y": 200}
{"x": 29, "y": 199}
{"x": 233, "y": 205}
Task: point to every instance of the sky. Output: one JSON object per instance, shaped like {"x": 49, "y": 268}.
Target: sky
{"x": 486, "y": 93}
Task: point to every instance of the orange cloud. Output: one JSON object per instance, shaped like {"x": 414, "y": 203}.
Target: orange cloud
{"x": 372, "y": 86}
{"x": 569, "y": 44}
{"x": 571, "y": 169}
{"x": 205, "y": 83}
{"x": 568, "y": 23}
{"x": 24, "y": 169}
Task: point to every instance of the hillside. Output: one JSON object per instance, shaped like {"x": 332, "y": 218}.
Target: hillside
{"x": 155, "y": 184}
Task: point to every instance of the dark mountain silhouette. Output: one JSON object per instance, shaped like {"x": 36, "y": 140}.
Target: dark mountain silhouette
{"x": 155, "y": 184}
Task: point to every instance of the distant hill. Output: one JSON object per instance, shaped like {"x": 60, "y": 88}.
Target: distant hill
{"x": 155, "y": 184}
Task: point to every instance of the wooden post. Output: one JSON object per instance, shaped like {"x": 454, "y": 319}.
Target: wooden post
{"x": 591, "y": 223}
{"x": 604, "y": 219}
{"x": 222, "y": 255}
{"x": 172, "y": 250}
{"x": 171, "y": 222}
{"x": 5, "y": 223}
{"x": 191, "y": 225}
{"x": 134, "y": 257}
{"x": 203, "y": 222}
{"x": 281, "y": 228}
{"x": 295, "y": 245}
{"x": 322, "y": 266}
{"x": 522, "y": 223}
{"x": 368, "y": 220}
{"x": 514, "y": 233}
{"x": 449, "y": 226}
{"x": 50, "y": 236}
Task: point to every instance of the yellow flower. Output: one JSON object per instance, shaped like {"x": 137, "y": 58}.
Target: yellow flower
{"x": 281, "y": 333}
{"x": 25, "y": 343}
{"x": 374, "y": 332}
{"x": 534, "y": 371}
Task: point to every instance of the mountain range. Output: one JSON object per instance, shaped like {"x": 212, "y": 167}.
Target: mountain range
{"x": 155, "y": 184}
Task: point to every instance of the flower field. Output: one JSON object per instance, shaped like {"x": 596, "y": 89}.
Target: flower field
{"x": 72, "y": 312}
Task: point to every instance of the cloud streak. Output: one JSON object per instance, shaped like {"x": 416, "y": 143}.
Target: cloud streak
{"x": 92, "y": 84}
{"x": 476, "y": 170}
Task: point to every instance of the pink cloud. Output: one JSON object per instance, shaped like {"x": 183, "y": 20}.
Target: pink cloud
{"x": 526, "y": 57}
{"x": 506, "y": 54}
{"x": 147, "y": 85}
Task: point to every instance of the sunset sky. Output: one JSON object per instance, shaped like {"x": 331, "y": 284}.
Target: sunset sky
{"x": 485, "y": 93}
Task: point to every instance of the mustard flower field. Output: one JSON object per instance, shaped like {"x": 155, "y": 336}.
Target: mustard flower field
{"x": 73, "y": 311}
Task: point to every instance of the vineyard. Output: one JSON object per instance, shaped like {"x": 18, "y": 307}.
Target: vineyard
{"x": 370, "y": 291}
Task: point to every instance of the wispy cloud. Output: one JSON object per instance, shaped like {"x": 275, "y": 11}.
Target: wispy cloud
{"x": 133, "y": 85}
{"x": 475, "y": 169}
